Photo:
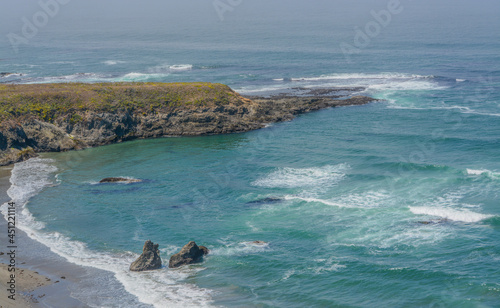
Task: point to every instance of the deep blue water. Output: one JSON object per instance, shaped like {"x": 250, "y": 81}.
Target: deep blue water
{"x": 391, "y": 204}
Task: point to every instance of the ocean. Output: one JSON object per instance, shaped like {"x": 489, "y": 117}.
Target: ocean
{"x": 391, "y": 204}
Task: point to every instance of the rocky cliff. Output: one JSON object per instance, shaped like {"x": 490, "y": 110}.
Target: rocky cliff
{"x": 62, "y": 117}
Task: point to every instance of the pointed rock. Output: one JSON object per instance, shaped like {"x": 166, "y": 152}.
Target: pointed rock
{"x": 189, "y": 254}
{"x": 149, "y": 259}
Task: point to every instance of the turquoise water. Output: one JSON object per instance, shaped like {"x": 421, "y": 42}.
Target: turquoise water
{"x": 391, "y": 204}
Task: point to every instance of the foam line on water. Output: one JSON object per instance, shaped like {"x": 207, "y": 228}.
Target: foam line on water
{"x": 157, "y": 73}
{"x": 134, "y": 76}
{"x": 372, "y": 82}
{"x": 240, "y": 248}
{"x": 167, "y": 68}
{"x": 462, "y": 215}
{"x": 162, "y": 288}
{"x": 325, "y": 202}
{"x": 361, "y": 76}
{"x": 366, "y": 200}
{"x": 462, "y": 109}
{"x": 303, "y": 177}
{"x": 113, "y": 62}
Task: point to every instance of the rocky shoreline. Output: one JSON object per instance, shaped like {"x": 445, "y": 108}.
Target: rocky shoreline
{"x": 24, "y": 136}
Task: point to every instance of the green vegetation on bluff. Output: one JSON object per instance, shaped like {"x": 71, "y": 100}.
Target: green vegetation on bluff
{"x": 48, "y": 101}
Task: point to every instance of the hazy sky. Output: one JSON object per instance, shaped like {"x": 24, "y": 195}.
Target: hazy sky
{"x": 205, "y": 11}
{"x": 215, "y": 17}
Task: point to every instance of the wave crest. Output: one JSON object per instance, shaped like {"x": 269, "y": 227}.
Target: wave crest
{"x": 484, "y": 172}
{"x": 462, "y": 215}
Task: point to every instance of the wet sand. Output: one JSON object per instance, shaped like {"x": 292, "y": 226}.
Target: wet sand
{"x": 26, "y": 282}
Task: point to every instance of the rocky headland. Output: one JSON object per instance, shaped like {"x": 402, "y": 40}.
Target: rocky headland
{"x": 70, "y": 116}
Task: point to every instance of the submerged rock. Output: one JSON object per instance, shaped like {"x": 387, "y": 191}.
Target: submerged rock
{"x": 118, "y": 180}
{"x": 265, "y": 200}
{"x": 189, "y": 254}
{"x": 433, "y": 222}
{"x": 149, "y": 259}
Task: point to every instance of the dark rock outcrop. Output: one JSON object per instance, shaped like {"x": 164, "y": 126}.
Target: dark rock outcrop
{"x": 119, "y": 180}
{"x": 433, "y": 222}
{"x": 205, "y": 250}
{"x": 189, "y": 254}
{"x": 265, "y": 201}
{"x": 148, "y": 260}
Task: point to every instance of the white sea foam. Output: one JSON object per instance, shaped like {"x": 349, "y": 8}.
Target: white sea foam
{"x": 241, "y": 248}
{"x": 371, "y": 82}
{"x": 483, "y": 113}
{"x": 304, "y": 177}
{"x": 361, "y": 76}
{"x": 288, "y": 274}
{"x": 63, "y": 62}
{"x": 462, "y": 109}
{"x": 181, "y": 67}
{"x": 29, "y": 178}
{"x": 406, "y": 85}
{"x": 140, "y": 77}
{"x": 454, "y": 107}
{"x": 323, "y": 201}
{"x": 379, "y": 82}
{"x": 427, "y": 234}
{"x": 328, "y": 268}
{"x": 253, "y": 227}
{"x": 484, "y": 172}
{"x": 369, "y": 199}
{"x": 162, "y": 288}
{"x": 463, "y": 215}
{"x": 167, "y": 68}
{"x": 259, "y": 90}
{"x": 477, "y": 172}
{"x": 86, "y": 77}
{"x": 93, "y": 77}
{"x": 113, "y": 62}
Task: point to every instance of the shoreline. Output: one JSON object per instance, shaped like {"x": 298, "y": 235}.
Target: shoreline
{"x": 46, "y": 282}
{"x": 60, "y": 283}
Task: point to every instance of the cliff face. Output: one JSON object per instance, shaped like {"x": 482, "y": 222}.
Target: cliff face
{"x": 81, "y": 124}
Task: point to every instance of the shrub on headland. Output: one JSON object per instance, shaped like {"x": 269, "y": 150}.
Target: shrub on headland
{"x": 48, "y": 101}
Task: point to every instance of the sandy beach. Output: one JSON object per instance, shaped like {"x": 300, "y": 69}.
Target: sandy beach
{"x": 38, "y": 282}
{"x": 26, "y": 281}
